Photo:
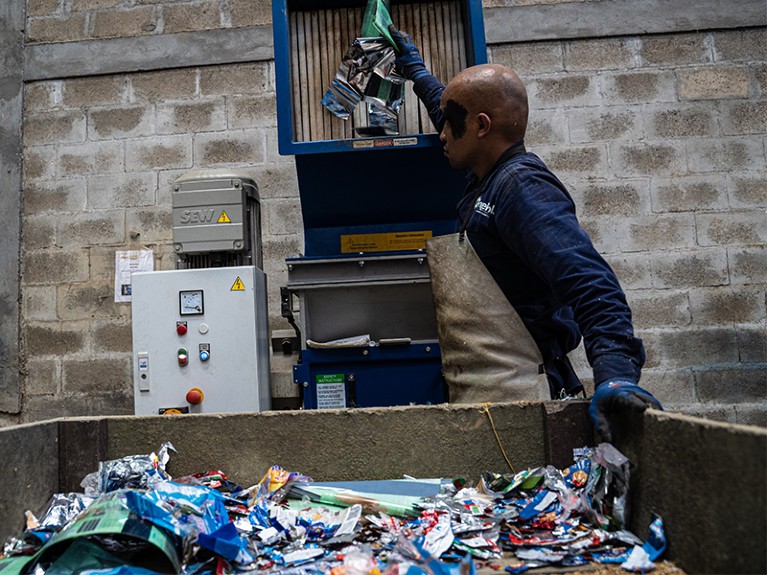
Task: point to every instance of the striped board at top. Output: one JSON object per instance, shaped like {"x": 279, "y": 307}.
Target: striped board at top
{"x": 320, "y": 38}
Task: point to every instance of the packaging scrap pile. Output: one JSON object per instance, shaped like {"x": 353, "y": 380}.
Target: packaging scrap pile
{"x": 133, "y": 518}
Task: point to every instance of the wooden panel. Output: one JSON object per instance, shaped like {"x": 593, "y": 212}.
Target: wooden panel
{"x": 320, "y": 38}
{"x": 422, "y": 25}
{"x": 295, "y": 74}
{"x": 360, "y": 115}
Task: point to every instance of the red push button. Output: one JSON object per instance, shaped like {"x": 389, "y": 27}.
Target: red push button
{"x": 181, "y": 327}
{"x": 183, "y": 357}
{"x": 194, "y": 396}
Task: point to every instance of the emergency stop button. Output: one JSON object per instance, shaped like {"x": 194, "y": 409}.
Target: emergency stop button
{"x": 194, "y": 396}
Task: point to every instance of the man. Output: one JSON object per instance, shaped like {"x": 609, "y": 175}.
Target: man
{"x": 520, "y": 220}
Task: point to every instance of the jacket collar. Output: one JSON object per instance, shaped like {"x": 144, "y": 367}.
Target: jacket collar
{"x": 516, "y": 150}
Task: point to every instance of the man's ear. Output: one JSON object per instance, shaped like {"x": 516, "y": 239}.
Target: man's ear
{"x": 484, "y": 123}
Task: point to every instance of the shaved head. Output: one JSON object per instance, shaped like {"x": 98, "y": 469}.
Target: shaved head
{"x": 491, "y": 89}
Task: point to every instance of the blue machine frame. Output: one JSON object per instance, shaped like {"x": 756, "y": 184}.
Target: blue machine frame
{"x": 476, "y": 53}
{"x": 370, "y": 377}
{"x": 358, "y": 186}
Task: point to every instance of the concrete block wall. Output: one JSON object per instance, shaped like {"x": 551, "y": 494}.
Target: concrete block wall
{"x": 658, "y": 129}
{"x": 75, "y": 20}
{"x": 101, "y": 156}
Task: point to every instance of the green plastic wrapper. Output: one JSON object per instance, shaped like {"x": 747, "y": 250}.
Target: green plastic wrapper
{"x": 377, "y": 20}
{"x": 105, "y": 535}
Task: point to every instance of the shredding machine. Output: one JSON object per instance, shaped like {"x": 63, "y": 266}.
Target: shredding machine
{"x": 359, "y": 296}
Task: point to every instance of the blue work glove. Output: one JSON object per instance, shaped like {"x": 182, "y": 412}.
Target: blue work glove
{"x": 408, "y": 58}
{"x": 617, "y": 394}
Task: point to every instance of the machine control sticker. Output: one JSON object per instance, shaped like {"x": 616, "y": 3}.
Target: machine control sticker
{"x": 331, "y": 391}
{"x": 237, "y": 285}
{"x": 388, "y": 242}
{"x": 384, "y": 143}
{"x": 224, "y": 218}
{"x": 143, "y": 371}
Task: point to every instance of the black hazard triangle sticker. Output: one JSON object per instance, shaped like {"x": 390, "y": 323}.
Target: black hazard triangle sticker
{"x": 237, "y": 285}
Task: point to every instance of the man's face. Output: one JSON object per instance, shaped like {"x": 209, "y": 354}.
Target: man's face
{"x": 456, "y": 134}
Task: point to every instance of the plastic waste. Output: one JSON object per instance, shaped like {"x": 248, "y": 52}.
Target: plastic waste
{"x": 140, "y": 522}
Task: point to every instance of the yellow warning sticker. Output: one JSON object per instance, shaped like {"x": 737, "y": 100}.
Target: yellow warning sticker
{"x": 224, "y": 218}
{"x": 237, "y": 285}
{"x": 388, "y": 242}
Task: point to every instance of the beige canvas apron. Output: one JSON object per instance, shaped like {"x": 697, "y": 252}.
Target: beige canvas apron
{"x": 487, "y": 352}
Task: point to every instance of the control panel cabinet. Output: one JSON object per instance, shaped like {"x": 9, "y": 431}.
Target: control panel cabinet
{"x": 200, "y": 341}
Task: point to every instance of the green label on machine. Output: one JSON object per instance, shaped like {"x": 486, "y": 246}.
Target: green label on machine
{"x": 331, "y": 390}
{"x": 330, "y": 378}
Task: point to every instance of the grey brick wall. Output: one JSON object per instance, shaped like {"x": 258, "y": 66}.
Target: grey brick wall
{"x": 102, "y": 154}
{"x": 659, "y": 136}
{"x": 65, "y": 21}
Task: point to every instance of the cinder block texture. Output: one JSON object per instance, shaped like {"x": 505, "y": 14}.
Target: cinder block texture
{"x": 95, "y": 376}
{"x": 530, "y": 59}
{"x": 187, "y": 17}
{"x": 67, "y": 195}
{"x": 689, "y": 194}
{"x": 182, "y": 118}
{"x": 127, "y": 22}
{"x": 54, "y": 21}
{"x": 674, "y": 49}
{"x": 714, "y": 83}
{"x": 101, "y": 154}
{"x": 87, "y": 301}
{"x": 741, "y": 385}
{"x": 602, "y": 54}
{"x": 57, "y": 29}
{"x": 51, "y": 128}
{"x": 42, "y": 7}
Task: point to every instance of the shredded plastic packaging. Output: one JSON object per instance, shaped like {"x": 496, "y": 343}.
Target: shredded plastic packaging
{"x": 138, "y": 520}
{"x": 367, "y": 75}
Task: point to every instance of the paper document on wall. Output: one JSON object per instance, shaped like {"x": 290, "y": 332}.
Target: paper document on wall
{"x": 127, "y": 262}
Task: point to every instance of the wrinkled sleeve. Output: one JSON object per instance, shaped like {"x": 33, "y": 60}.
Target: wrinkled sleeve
{"x": 429, "y": 91}
{"x": 537, "y": 221}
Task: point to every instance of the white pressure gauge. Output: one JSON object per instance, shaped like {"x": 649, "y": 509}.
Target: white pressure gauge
{"x": 191, "y": 302}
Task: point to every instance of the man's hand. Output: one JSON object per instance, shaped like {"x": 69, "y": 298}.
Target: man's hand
{"x": 615, "y": 395}
{"x": 408, "y": 59}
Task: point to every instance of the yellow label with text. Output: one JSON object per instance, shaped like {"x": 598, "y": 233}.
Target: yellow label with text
{"x": 388, "y": 242}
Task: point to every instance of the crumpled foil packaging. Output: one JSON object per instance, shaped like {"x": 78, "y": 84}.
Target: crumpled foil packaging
{"x": 367, "y": 74}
